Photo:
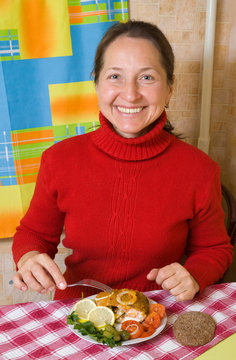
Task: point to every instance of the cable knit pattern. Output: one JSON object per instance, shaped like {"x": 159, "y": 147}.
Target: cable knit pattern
{"x": 121, "y": 223}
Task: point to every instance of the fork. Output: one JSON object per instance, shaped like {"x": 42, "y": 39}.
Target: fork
{"x": 92, "y": 283}
{"x": 87, "y": 282}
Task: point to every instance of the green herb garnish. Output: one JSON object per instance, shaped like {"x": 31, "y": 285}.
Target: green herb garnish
{"x": 88, "y": 328}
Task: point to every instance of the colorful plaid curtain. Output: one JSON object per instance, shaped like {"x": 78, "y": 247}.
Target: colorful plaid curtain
{"x": 46, "y": 92}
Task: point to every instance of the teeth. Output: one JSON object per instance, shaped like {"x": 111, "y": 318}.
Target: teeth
{"x": 129, "y": 110}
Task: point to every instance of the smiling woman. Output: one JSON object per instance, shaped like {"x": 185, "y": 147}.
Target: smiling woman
{"x": 135, "y": 33}
{"x": 132, "y": 86}
{"x": 140, "y": 200}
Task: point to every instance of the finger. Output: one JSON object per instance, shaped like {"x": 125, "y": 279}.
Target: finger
{"x": 152, "y": 274}
{"x": 43, "y": 277}
{"x": 181, "y": 276}
{"x": 32, "y": 282}
{"x": 53, "y": 270}
{"x": 185, "y": 295}
{"x": 178, "y": 289}
{"x": 19, "y": 283}
{"x": 170, "y": 283}
{"x": 184, "y": 291}
{"x": 165, "y": 273}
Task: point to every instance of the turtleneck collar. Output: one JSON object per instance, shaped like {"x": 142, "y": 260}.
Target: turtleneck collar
{"x": 143, "y": 147}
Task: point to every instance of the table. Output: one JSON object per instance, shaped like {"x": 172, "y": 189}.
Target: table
{"x": 39, "y": 330}
{"x": 224, "y": 350}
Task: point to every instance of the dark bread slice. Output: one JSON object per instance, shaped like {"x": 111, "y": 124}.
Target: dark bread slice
{"x": 194, "y": 328}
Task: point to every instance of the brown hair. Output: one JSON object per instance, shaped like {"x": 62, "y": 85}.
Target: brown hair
{"x": 143, "y": 30}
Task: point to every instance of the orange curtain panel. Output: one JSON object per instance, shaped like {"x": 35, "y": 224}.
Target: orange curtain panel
{"x": 46, "y": 90}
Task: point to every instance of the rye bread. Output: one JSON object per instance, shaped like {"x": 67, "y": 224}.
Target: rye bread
{"x": 194, "y": 328}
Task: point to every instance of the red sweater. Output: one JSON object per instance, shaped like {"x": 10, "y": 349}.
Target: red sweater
{"x": 128, "y": 205}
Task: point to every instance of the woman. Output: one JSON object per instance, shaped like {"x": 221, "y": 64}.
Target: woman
{"x": 133, "y": 198}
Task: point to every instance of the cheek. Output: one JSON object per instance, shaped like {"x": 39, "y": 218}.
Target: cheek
{"x": 157, "y": 96}
{"x": 106, "y": 94}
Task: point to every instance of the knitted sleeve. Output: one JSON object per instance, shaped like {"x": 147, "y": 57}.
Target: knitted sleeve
{"x": 209, "y": 250}
{"x": 41, "y": 227}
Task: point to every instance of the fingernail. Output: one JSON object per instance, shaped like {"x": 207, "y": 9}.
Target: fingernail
{"x": 62, "y": 285}
{"x": 52, "y": 288}
{"x": 24, "y": 288}
{"x": 43, "y": 291}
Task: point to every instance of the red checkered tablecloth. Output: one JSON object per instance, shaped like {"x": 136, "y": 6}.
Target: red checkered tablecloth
{"x": 39, "y": 330}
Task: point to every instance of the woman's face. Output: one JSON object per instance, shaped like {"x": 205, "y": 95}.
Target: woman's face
{"x": 132, "y": 87}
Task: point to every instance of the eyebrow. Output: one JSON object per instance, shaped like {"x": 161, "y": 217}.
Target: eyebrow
{"x": 142, "y": 69}
{"x": 114, "y": 68}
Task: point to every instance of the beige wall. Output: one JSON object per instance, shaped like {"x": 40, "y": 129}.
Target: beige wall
{"x": 183, "y": 22}
{"x": 223, "y": 120}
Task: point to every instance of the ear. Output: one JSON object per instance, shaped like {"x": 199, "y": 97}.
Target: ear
{"x": 96, "y": 88}
{"x": 95, "y": 84}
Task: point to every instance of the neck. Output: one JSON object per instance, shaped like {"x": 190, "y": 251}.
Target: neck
{"x": 133, "y": 136}
{"x": 145, "y": 146}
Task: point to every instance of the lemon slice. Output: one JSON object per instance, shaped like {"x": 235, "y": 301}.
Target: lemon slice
{"x": 101, "y": 316}
{"x": 83, "y": 307}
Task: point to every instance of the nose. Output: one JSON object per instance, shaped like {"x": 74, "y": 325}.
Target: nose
{"x": 130, "y": 91}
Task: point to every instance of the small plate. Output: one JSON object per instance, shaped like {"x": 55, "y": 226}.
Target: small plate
{"x": 127, "y": 342}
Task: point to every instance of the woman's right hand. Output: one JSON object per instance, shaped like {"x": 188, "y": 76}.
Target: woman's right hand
{"x": 38, "y": 272}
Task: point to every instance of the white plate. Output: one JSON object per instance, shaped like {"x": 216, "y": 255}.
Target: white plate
{"x": 127, "y": 342}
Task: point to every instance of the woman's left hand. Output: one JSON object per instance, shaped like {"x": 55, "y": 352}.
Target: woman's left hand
{"x": 175, "y": 278}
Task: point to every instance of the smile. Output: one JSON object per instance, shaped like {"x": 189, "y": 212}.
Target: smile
{"x": 129, "y": 110}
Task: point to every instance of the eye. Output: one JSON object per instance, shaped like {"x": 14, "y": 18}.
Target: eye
{"x": 114, "y": 76}
{"x": 147, "y": 77}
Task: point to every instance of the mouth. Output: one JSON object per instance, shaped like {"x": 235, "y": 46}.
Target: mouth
{"x": 126, "y": 110}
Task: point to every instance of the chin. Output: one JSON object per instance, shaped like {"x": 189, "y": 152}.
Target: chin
{"x": 129, "y": 134}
